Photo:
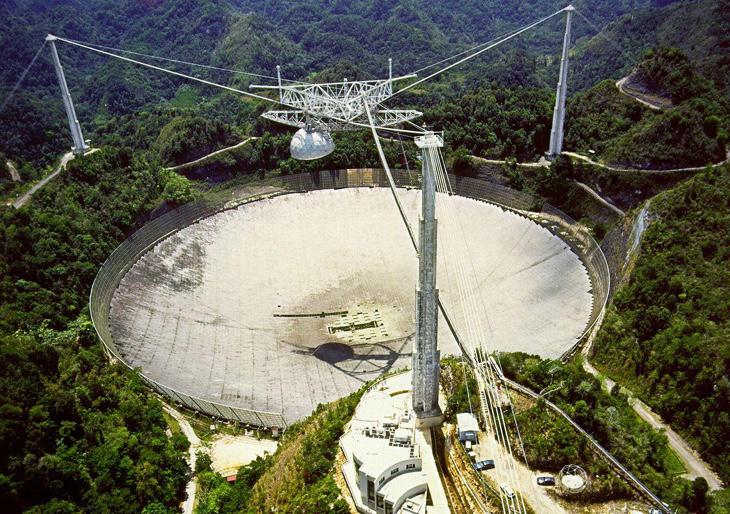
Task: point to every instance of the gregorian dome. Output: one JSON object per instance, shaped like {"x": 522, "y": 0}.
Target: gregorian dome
{"x": 308, "y": 144}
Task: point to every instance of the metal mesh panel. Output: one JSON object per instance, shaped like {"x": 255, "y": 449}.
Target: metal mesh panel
{"x": 134, "y": 247}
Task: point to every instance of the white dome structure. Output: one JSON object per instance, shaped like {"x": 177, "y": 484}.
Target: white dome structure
{"x": 308, "y": 145}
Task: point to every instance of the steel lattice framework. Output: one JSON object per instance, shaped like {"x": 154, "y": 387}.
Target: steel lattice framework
{"x": 337, "y": 106}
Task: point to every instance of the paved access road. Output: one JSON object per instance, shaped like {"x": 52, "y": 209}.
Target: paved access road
{"x": 644, "y": 100}
{"x": 23, "y": 199}
{"x": 696, "y": 467}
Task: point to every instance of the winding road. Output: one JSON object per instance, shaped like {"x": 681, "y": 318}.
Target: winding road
{"x": 642, "y": 99}
{"x": 24, "y": 198}
{"x": 212, "y": 154}
{"x": 67, "y": 157}
{"x": 639, "y": 170}
{"x": 696, "y": 467}
{"x": 195, "y": 445}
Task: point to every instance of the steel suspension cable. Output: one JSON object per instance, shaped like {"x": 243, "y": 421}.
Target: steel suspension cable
{"x": 498, "y": 378}
{"x": 468, "y": 50}
{"x": 22, "y": 77}
{"x": 491, "y": 397}
{"x": 601, "y": 33}
{"x": 178, "y": 61}
{"x": 486, "y": 317}
{"x": 165, "y": 70}
{"x": 501, "y": 430}
{"x": 494, "y": 412}
{"x": 477, "y": 53}
{"x": 221, "y": 86}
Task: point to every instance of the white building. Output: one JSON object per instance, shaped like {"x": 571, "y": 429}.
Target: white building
{"x": 390, "y": 467}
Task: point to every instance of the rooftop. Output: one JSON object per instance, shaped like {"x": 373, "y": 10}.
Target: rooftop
{"x": 382, "y": 435}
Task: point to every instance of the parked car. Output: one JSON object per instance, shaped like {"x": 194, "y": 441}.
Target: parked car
{"x": 546, "y": 481}
{"x": 484, "y": 465}
{"x": 507, "y": 490}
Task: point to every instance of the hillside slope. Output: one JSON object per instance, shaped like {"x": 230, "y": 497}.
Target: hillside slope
{"x": 667, "y": 335}
{"x": 700, "y": 28}
{"x": 298, "y": 478}
{"x": 252, "y": 35}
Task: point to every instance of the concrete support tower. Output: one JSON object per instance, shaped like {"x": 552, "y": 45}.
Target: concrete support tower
{"x": 556, "y": 134}
{"x": 80, "y": 145}
{"x": 425, "y": 352}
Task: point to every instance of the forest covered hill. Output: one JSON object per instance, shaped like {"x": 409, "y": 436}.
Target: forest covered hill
{"x": 305, "y": 37}
{"x": 667, "y": 335}
{"x": 74, "y": 428}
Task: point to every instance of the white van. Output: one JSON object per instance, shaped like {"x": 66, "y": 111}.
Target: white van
{"x": 507, "y": 490}
{"x": 467, "y": 446}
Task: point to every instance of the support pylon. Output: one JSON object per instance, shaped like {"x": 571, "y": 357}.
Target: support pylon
{"x": 556, "y": 133}
{"x": 426, "y": 355}
{"x": 80, "y": 145}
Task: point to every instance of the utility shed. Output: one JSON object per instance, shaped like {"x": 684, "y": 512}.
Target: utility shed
{"x": 467, "y": 427}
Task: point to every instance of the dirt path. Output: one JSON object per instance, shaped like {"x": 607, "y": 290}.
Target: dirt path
{"x": 642, "y": 99}
{"x": 14, "y": 175}
{"x": 695, "y": 466}
{"x": 67, "y": 157}
{"x": 205, "y": 157}
{"x": 195, "y": 445}
{"x": 600, "y": 199}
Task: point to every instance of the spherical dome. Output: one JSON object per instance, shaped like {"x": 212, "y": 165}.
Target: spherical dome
{"x": 307, "y": 146}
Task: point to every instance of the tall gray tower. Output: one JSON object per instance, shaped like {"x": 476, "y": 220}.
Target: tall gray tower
{"x": 556, "y": 134}
{"x": 80, "y": 145}
{"x": 425, "y": 352}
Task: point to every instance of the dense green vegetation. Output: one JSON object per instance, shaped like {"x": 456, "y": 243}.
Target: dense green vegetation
{"x": 217, "y": 495}
{"x": 551, "y": 443}
{"x": 698, "y": 28}
{"x": 668, "y": 72}
{"x": 297, "y": 478}
{"x": 667, "y": 335}
{"x": 497, "y": 124}
{"x": 499, "y": 106}
{"x": 460, "y": 388}
{"x": 621, "y": 131}
{"x": 53, "y": 247}
{"x": 254, "y": 36}
{"x": 595, "y": 118}
{"x": 187, "y": 138}
{"x": 77, "y": 434}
